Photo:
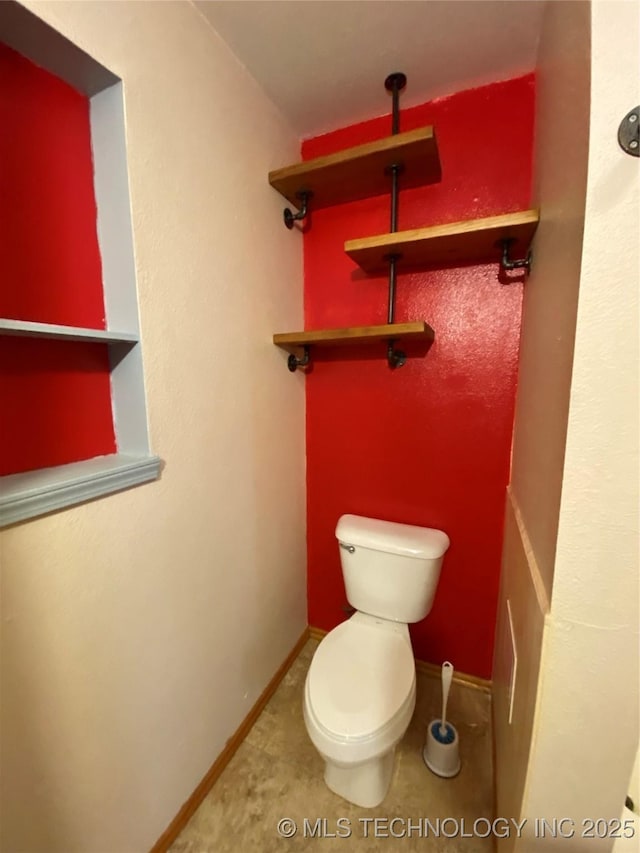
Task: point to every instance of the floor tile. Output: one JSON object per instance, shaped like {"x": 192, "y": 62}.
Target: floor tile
{"x": 277, "y": 774}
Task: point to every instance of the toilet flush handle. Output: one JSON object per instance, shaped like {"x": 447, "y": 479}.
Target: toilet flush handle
{"x": 349, "y": 548}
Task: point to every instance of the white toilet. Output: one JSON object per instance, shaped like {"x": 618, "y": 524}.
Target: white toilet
{"x": 360, "y": 690}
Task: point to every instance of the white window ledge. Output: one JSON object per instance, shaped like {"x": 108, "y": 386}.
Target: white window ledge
{"x": 34, "y": 493}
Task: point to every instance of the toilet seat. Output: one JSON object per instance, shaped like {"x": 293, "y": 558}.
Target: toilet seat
{"x": 361, "y": 680}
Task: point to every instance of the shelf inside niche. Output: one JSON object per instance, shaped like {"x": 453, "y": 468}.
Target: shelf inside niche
{"x": 362, "y": 171}
{"x": 456, "y": 242}
{"x": 28, "y": 329}
{"x": 417, "y": 330}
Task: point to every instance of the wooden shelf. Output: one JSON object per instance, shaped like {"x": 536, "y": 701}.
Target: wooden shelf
{"x": 457, "y": 242}
{"x": 360, "y": 172}
{"x": 418, "y": 330}
{"x": 27, "y": 329}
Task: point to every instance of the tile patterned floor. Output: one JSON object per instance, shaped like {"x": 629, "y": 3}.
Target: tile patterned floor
{"x": 277, "y": 774}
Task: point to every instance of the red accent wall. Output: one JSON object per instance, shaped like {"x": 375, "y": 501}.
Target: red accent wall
{"x": 56, "y": 403}
{"x": 56, "y": 395}
{"x": 50, "y": 264}
{"x": 430, "y": 443}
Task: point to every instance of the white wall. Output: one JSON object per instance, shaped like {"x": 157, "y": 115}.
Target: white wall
{"x": 139, "y": 629}
{"x": 544, "y": 381}
{"x": 588, "y": 708}
{"x": 551, "y": 292}
{"x": 573, "y": 571}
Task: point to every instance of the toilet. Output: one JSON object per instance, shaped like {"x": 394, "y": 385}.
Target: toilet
{"x": 360, "y": 690}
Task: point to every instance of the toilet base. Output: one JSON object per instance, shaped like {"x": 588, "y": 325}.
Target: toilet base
{"x": 365, "y": 784}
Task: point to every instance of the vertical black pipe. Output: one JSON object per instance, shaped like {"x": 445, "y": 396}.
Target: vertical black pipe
{"x": 395, "y": 171}
{"x": 392, "y": 288}
{"x": 395, "y": 114}
{"x": 394, "y": 83}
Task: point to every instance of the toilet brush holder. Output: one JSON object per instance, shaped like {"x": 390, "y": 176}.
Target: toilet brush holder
{"x": 441, "y": 751}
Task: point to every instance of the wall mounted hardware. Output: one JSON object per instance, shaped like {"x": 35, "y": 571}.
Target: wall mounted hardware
{"x": 629, "y": 133}
{"x": 290, "y": 217}
{"x": 395, "y": 357}
{"x": 392, "y": 261}
{"x": 294, "y": 362}
{"x": 419, "y": 332}
{"x": 362, "y": 171}
{"x": 476, "y": 240}
{"x": 506, "y": 263}
{"x": 394, "y": 84}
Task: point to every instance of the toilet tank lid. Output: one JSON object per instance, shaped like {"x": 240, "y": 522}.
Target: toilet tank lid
{"x": 409, "y": 540}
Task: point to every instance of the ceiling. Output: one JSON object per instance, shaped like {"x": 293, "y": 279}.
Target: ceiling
{"x": 323, "y": 62}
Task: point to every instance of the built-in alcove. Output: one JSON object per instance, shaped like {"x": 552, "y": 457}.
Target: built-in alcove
{"x": 34, "y": 490}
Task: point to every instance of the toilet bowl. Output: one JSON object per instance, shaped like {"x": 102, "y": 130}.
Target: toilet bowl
{"x": 359, "y": 698}
{"x": 360, "y": 690}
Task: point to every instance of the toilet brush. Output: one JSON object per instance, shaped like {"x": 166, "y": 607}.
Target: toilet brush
{"x": 441, "y": 750}
{"x": 445, "y": 733}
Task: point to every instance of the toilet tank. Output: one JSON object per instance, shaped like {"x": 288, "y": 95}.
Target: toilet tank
{"x": 390, "y": 570}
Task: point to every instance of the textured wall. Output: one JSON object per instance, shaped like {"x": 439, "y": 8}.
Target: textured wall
{"x": 139, "y": 629}
{"x": 591, "y": 655}
{"x": 550, "y": 300}
{"x": 572, "y": 570}
{"x": 544, "y": 378}
{"x": 428, "y": 444}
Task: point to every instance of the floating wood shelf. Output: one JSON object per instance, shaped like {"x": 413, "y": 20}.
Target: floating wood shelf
{"x": 361, "y": 172}
{"x": 418, "y": 330}
{"x": 457, "y": 242}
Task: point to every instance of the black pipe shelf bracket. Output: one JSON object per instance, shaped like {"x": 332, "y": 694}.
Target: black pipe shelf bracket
{"x": 294, "y": 362}
{"x": 395, "y": 357}
{"x": 290, "y": 217}
{"x": 507, "y": 263}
